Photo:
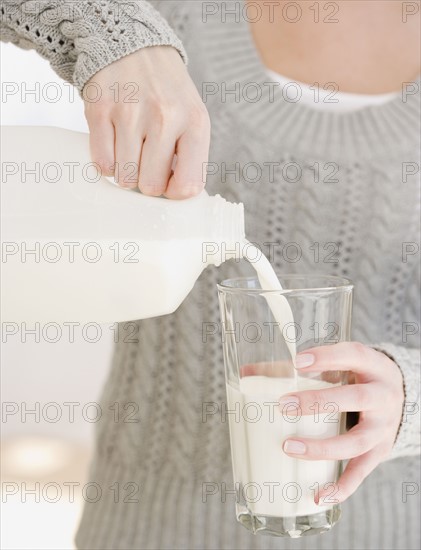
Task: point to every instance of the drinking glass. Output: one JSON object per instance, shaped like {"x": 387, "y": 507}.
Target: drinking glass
{"x": 275, "y": 492}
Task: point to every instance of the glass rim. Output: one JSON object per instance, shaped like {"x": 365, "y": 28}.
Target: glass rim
{"x": 342, "y": 284}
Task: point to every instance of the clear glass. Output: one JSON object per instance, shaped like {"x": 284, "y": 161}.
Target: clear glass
{"x": 275, "y": 492}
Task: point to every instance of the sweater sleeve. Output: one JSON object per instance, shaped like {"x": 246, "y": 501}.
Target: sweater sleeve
{"x": 409, "y": 434}
{"x": 80, "y": 37}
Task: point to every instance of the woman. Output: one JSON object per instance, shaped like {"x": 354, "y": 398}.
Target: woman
{"x": 337, "y": 178}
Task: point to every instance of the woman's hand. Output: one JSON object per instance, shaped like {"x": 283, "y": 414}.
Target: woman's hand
{"x": 141, "y": 110}
{"x": 377, "y": 393}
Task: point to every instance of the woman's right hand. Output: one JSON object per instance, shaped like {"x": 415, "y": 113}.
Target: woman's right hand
{"x": 141, "y": 110}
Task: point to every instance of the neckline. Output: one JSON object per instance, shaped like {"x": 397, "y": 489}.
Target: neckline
{"x": 234, "y": 63}
{"x": 337, "y": 101}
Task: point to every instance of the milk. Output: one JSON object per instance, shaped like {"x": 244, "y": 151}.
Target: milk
{"x": 279, "y": 305}
{"x": 270, "y": 482}
{"x": 279, "y": 485}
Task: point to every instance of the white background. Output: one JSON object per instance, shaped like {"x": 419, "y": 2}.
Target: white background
{"x": 44, "y": 372}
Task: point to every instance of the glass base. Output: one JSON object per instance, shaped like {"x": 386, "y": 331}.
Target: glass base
{"x": 293, "y": 527}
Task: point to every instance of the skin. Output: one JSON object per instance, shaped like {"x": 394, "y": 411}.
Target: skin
{"x": 145, "y": 128}
{"x": 370, "y": 50}
{"x": 376, "y": 380}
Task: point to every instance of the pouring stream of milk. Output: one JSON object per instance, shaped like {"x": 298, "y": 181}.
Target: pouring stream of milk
{"x": 279, "y": 305}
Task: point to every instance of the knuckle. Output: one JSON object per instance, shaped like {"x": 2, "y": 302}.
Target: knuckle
{"x": 163, "y": 113}
{"x": 360, "y": 350}
{"x": 327, "y": 355}
{"x": 362, "y": 396}
{"x": 125, "y": 111}
{"x": 199, "y": 117}
{"x": 99, "y": 109}
{"x": 317, "y": 399}
{"x": 324, "y": 450}
{"x": 333, "y": 352}
{"x": 389, "y": 394}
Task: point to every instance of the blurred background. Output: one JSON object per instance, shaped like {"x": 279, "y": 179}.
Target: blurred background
{"x": 46, "y": 452}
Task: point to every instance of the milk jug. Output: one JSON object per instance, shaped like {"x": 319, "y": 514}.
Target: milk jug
{"x": 76, "y": 247}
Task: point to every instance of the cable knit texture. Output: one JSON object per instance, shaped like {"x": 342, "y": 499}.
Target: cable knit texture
{"x": 81, "y": 37}
{"x": 332, "y": 184}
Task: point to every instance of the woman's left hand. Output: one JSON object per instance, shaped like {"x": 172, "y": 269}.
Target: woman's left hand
{"x": 377, "y": 394}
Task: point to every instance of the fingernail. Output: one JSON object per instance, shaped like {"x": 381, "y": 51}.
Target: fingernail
{"x": 294, "y": 447}
{"x": 127, "y": 184}
{"x": 122, "y": 184}
{"x": 289, "y": 400}
{"x": 303, "y": 360}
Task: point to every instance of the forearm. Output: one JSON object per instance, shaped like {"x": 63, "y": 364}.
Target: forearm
{"x": 80, "y": 37}
{"x": 408, "y": 360}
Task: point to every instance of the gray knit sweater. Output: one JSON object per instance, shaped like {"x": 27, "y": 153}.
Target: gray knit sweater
{"x": 338, "y": 186}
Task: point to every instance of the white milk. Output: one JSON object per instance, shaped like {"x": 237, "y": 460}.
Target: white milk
{"x": 279, "y": 305}
{"x": 279, "y": 485}
{"x": 272, "y": 483}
